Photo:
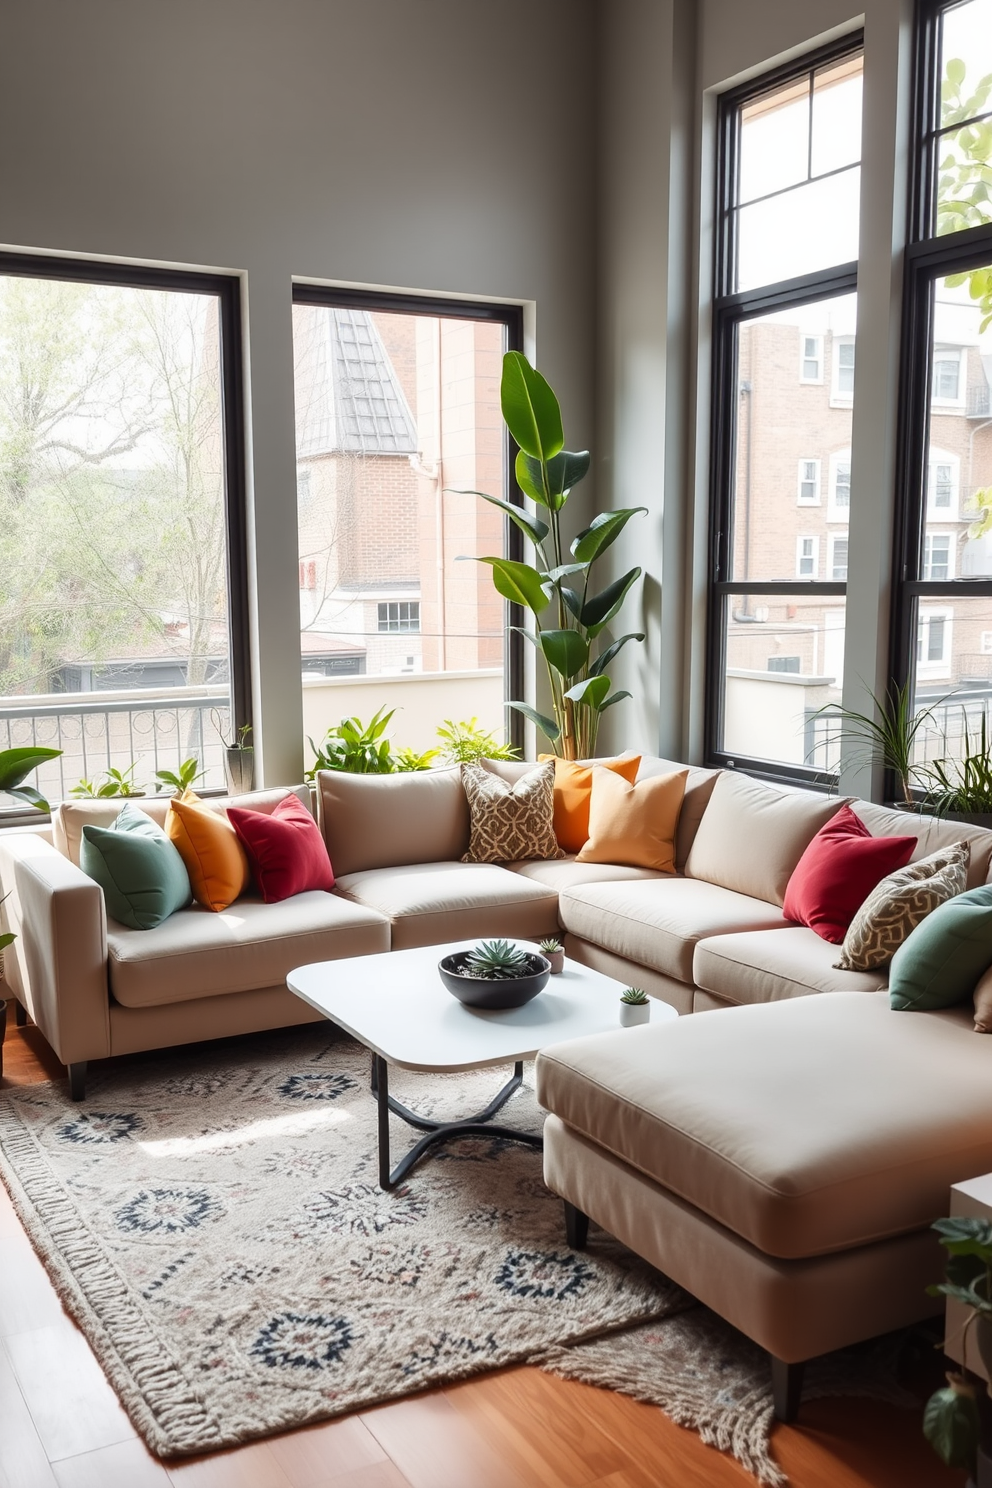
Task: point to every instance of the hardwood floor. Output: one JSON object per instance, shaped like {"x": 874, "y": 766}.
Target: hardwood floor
{"x": 61, "y": 1425}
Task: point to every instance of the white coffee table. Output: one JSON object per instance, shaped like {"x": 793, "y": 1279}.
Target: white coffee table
{"x": 397, "y": 1006}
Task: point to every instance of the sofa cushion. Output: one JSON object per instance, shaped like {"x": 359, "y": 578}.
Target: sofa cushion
{"x": 201, "y": 953}
{"x": 941, "y": 962}
{"x": 573, "y": 793}
{"x": 698, "y": 789}
{"x": 931, "y": 833}
{"x": 567, "y": 873}
{"x": 509, "y": 822}
{"x": 752, "y": 835}
{"x": 768, "y": 965}
{"x": 215, "y": 860}
{"x": 634, "y": 824}
{"x": 385, "y": 821}
{"x": 71, "y": 816}
{"x": 285, "y": 850}
{"x": 899, "y": 903}
{"x": 838, "y": 871}
{"x": 657, "y": 923}
{"x": 143, "y": 878}
{"x": 430, "y": 903}
{"x": 814, "y": 1126}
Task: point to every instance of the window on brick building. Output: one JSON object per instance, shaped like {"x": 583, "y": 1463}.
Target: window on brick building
{"x": 397, "y": 411}
{"x": 811, "y": 360}
{"x": 809, "y": 483}
{"x": 785, "y": 299}
{"x": 942, "y": 602}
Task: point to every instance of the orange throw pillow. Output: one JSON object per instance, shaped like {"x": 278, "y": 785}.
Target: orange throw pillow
{"x": 634, "y": 824}
{"x": 573, "y": 789}
{"x": 208, "y": 845}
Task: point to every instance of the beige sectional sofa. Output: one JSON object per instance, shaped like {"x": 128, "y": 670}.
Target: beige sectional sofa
{"x": 783, "y": 1161}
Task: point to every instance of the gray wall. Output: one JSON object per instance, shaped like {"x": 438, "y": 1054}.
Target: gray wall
{"x": 442, "y": 145}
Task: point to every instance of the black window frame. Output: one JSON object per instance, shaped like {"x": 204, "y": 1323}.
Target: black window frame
{"x": 511, "y": 316}
{"x": 227, "y": 290}
{"x": 928, "y": 258}
{"x": 731, "y": 309}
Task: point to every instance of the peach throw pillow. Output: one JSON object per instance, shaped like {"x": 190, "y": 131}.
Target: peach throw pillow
{"x": 208, "y": 845}
{"x": 573, "y": 790}
{"x": 634, "y": 824}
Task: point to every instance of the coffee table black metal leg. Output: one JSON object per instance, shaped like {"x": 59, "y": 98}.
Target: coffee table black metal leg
{"x": 437, "y": 1131}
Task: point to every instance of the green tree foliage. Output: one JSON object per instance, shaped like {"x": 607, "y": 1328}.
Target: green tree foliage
{"x": 964, "y": 172}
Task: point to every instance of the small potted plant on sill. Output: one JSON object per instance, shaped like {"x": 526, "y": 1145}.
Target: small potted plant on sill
{"x": 178, "y": 782}
{"x": 495, "y": 974}
{"x": 115, "y": 783}
{"x": 635, "y": 1007}
{"x": 239, "y": 758}
{"x": 555, "y": 953}
{"x": 953, "y": 1420}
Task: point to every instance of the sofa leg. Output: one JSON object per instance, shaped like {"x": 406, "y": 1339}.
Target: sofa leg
{"x": 20, "y": 1014}
{"x": 576, "y": 1226}
{"x": 77, "y": 1080}
{"x": 787, "y": 1388}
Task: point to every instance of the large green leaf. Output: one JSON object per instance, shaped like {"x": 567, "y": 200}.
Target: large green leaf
{"x": 566, "y": 469}
{"x": 566, "y": 650}
{"x": 602, "y": 532}
{"x": 572, "y": 598}
{"x": 16, "y": 763}
{"x": 951, "y": 1426}
{"x": 564, "y": 572}
{"x": 518, "y": 582}
{"x": 530, "y": 478}
{"x": 531, "y": 527}
{"x": 592, "y": 692}
{"x": 614, "y": 697}
{"x": 603, "y": 661}
{"x": 966, "y": 1234}
{"x": 530, "y": 408}
{"x": 30, "y": 795}
{"x": 547, "y": 726}
{"x": 599, "y": 610}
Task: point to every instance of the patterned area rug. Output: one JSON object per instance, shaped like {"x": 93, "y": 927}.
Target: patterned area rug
{"x": 212, "y": 1220}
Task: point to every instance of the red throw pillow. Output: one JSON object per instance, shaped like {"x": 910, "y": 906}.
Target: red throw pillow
{"x": 838, "y": 871}
{"x": 285, "y": 849}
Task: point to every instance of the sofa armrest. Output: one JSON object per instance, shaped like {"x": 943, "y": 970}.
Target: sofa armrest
{"x": 57, "y": 966}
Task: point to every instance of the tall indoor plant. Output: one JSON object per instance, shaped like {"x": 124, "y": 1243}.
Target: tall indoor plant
{"x": 569, "y": 637}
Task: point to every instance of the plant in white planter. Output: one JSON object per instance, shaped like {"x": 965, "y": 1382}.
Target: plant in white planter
{"x": 635, "y": 1007}
{"x": 555, "y": 952}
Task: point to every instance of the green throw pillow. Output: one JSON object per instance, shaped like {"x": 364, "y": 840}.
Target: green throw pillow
{"x": 941, "y": 961}
{"x": 143, "y": 878}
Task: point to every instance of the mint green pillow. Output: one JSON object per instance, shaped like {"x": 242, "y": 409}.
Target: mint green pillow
{"x": 143, "y": 878}
{"x": 941, "y": 961}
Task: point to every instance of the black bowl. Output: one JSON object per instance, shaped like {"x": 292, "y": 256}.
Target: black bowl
{"x": 504, "y": 993}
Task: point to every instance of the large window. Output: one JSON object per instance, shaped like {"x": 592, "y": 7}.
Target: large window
{"x": 122, "y": 614}
{"x": 397, "y": 413}
{"x": 943, "y": 609}
{"x": 785, "y": 325}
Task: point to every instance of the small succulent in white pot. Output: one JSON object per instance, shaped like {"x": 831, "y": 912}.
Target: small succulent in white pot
{"x": 635, "y": 1007}
{"x": 554, "y": 951}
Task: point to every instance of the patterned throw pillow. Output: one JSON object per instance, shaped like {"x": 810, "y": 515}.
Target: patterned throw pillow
{"x": 899, "y": 903}
{"x": 510, "y": 822}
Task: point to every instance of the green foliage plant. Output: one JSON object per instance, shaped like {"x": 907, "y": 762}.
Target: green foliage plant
{"x": 114, "y": 783}
{"x": 569, "y": 616}
{"x": 964, "y": 173}
{"x": 181, "y": 780}
{"x": 963, "y": 784}
{"x": 887, "y": 737}
{"x": 466, "y": 742}
{"x": 496, "y": 961}
{"x": 634, "y": 996}
{"x": 408, "y": 759}
{"x": 6, "y": 938}
{"x": 551, "y": 947}
{"x": 359, "y": 748}
{"x": 951, "y": 1420}
{"x": 15, "y": 764}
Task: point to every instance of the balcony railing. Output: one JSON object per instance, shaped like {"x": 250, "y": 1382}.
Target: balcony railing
{"x": 155, "y": 729}
{"x": 979, "y": 401}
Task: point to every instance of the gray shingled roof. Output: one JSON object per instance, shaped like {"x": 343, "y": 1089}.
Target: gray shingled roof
{"x": 357, "y": 402}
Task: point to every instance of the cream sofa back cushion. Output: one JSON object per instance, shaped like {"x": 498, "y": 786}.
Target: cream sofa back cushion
{"x": 72, "y": 816}
{"x": 388, "y": 821}
{"x": 752, "y": 835}
{"x": 932, "y": 833}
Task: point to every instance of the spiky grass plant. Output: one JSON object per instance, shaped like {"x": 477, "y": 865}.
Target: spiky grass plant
{"x": 963, "y": 784}
{"x": 634, "y": 996}
{"x": 890, "y": 736}
{"x": 496, "y": 961}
